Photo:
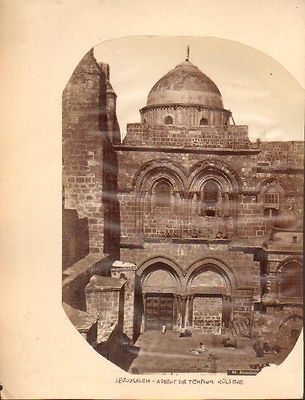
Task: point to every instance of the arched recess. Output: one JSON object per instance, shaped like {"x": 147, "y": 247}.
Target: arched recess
{"x": 203, "y": 121}
{"x": 162, "y": 191}
{"x": 228, "y": 186}
{"x": 212, "y": 264}
{"x": 290, "y": 280}
{"x": 144, "y": 185}
{"x": 210, "y": 284}
{"x": 168, "y": 120}
{"x": 153, "y": 170}
{"x": 174, "y": 267}
{"x": 225, "y": 175}
{"x": 160, "y": 280}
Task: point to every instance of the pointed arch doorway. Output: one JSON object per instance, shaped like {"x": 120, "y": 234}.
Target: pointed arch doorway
{"x": 210, "y": 305}
{"x": 159, "y": 285}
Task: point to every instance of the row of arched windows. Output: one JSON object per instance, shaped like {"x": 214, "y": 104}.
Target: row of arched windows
{"x": 168, "y": 120}
{"x": 163, "y": 190}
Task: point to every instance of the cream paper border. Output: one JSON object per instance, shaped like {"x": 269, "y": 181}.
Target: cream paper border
{"x": 42, "y": 355}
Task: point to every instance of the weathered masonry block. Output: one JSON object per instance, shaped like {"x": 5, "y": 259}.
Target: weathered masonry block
{"x": 125, "y": 271}
{"x": 105, "y": 299}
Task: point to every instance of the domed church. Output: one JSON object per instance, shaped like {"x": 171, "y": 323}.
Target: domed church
{"x": 196, "y": 226}
{"x": 185, "y": 96}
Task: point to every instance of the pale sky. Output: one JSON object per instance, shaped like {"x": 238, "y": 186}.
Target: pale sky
{"x": 257, "y": 89}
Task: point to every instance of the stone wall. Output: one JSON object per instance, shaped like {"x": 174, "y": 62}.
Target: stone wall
{"x": 229, "y": 136}
{"x": 105, "y": 299}
{"x": 75, "y": 238}
{"x": 126, "y": 271}
{"x": 89, "y": 163}
{"x": 140, "y": 218}
{"x": 282, "y": 154}
{"x": 245, "y": 179}
{"x": 242, "y": 266}
{"x": 207, "y": 314}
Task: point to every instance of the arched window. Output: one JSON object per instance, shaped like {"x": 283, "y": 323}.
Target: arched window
{"x": 203, "y": 121}
{"x": 210, "y": 198}
{"x": 272, "y": 202}
{"x": 162, "y": 193}
{"x": 168, "y": 120}
{"x": 291, "y": 281}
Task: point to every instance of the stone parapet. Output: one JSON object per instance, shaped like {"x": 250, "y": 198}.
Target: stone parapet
{"x": 228, "y": 136}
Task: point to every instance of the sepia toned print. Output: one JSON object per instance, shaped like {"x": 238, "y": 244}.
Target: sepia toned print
{"x": 182, "y": 241}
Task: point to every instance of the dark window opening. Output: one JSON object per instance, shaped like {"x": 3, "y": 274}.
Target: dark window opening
{"x": 203, "y": 121}
{"x": 291, "y": 281}
{"x": 210, "y": 198}
{"x": 210, "y": 212}
{"x": 162, "y": 193}
{"x": 168, "y": 120}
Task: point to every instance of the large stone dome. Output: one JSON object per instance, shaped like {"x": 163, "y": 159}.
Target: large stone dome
{"x": 185, "y": 84}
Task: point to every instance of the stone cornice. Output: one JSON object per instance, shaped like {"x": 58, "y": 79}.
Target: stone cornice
{"x": 201, "y": 150}
{"x": 175, "y": 105}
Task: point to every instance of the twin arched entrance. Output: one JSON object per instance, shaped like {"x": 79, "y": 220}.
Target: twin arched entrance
{"x": 198, "y": 300}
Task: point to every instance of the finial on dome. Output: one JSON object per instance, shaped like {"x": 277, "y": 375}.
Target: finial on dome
{"x": 188, "y": 53}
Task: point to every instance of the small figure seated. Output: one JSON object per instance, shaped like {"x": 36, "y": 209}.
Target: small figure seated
{"x": 200, "y": 349}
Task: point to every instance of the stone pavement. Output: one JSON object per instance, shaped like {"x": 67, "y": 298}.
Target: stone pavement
{"x": 168, "y": 353}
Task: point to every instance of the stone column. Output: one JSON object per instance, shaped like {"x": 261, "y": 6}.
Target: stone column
{"x": 175, "y": 313}
{"x": 212, "y": 117}
{"x": 191, "y": 303}
{"x": 194, "y": 203}
{"x": 142, "y": 329}
{"x": 177, "y": 202}
{"x": 126, "y": 271}
{"x": 219, "y": 205}
{"x": 183, "y": 312}
{"x": 172, "y": 202}
{"x": 179, "y": 313}
{"x": 201, "y": 204}
{"x": 186, "y": 321}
